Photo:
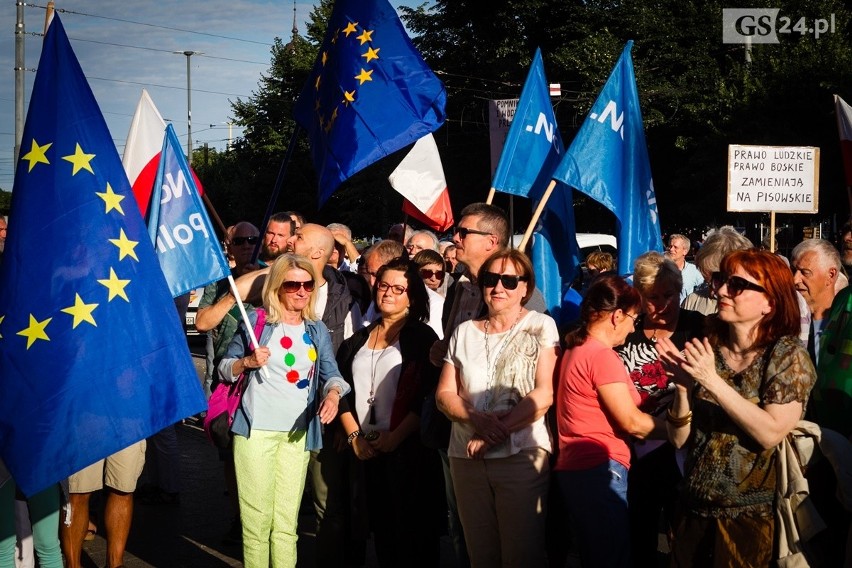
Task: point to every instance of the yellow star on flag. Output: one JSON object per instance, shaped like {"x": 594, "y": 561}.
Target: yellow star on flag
{"x": 364, "y": 76}
{"x": 371, "y": 54}
{"x": 1, "y": 321}
{"x": 36, "y": 154}
{"x": 365, "y": 36}
{"x": 35, "y": 331}
{"x": 115, "y": 286}
{"x": 81, "y": 312}
{"x": 125, "y": 246}
{"x": 324, "y": 57}
{"x": 348, "y": 97}
{"x": 80, "y": 160}
{"x": 351, "y": 28}
{"x": 318, "y": 81}
{"x": 112, "y": 199}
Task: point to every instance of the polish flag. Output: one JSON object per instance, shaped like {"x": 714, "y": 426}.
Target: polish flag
{"x": 142, "y": 151}
{"x": 420, "y": 179}
{"x": 844, "y": 127}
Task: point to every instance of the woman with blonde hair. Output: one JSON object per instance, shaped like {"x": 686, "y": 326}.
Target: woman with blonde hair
{"x": 279, "y": 419}
{"x": 654, "y": 473}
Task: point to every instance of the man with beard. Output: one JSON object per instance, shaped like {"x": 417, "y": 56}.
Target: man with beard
{"x": 280, "y": 227}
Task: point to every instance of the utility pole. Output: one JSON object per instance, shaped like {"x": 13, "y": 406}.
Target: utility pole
{"x": 20, "y": 69}
{"x": 189, "y": 55}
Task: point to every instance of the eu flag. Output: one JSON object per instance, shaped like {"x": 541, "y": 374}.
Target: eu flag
{"x": 531, "y": 152}
{"x": 92, "y": 354}
{"x": 608, "y": 161}
{"x": 370, "y": 93}
{"x": 186, "y": 245}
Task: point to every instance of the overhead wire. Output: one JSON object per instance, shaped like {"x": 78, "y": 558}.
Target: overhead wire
{"x": 170, "y": 28}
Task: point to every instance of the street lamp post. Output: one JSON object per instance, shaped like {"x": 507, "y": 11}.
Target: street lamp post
{"x": 188, "y": 54}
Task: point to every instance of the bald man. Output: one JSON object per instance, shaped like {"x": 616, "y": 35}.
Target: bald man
{"x": 339, "y": 311}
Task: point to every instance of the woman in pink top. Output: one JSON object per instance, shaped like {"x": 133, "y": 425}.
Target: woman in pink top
{"x": 596, "y": 415}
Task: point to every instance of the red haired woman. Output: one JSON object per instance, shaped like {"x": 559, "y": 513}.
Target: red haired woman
{"x": 740, "y": 392}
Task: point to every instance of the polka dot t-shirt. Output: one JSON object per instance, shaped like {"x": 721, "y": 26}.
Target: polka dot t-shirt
{"x": 279, "y": 403}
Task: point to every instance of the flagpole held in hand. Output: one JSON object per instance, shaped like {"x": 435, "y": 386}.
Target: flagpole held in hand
{"x": 246, "y": 322}
{"x": 537, "y": 214}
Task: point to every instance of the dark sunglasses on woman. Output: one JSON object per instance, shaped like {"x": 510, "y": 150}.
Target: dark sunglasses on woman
{"x": 292, "y": 286}
{"x": 510, "y": 281}
{"x": 736, "y": 285}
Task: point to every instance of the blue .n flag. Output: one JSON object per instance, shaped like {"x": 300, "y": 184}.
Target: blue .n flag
{"x": 608, "y": 161}
{"x": 180, "y": 230}
{"x": 531, "y": 152}
{"x": 92, "y": 354}
{"x": 533, "y": 146}
{"x": 370, "y": 93}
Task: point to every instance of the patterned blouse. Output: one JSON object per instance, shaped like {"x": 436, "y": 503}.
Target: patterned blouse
{"x": 726, "y": 472}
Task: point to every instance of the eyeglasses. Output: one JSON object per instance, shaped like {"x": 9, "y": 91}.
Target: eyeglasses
{"x": 395, "y": 289}
{"x": 463, "y": 232}
{"x": 239, "y": 241}
{"x": 736, "y": 285}
{"x": 426, "y": 273}
{"x": 292, "y": 286}
{"x": 510, "y": 281}
{"x": 635, "y": 318}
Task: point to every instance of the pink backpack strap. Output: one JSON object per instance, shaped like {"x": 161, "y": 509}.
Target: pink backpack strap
{"x": 258, "y": 326}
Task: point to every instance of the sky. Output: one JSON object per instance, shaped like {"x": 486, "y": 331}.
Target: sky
{"x": 126, "y": 45}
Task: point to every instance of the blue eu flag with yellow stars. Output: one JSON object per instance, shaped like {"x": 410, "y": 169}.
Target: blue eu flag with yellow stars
{"x": 370, "y": 93}
{"x": 92, "y": 353}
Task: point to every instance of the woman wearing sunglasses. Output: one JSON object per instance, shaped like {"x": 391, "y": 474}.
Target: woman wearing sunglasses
{"x": 654, "y": 472}
{"x": 597, "y": 414}
{"x": 387, "y": 365}
{"x": 280, "y": 416}
{"x": 740, "y": 392}
{"x": 432, "y": 271}
{"x": 496, "y": 386}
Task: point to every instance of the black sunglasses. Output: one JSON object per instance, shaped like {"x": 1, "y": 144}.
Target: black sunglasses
{"x": 510, "y": 281}
{"x": 463, "y": 232}
{"x": 426, "y": 273}
{"x": 736, "y": 285}
{"x": 239, "y": 241}
{"x": 292, "y": 286}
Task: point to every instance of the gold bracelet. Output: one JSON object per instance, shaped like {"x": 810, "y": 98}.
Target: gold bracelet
{"x": 678, "y": 421}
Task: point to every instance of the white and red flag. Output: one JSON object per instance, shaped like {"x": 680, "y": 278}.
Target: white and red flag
{"x": 844, "y": 128}
{"x": 420, "y": 179}
{"x": 142, "y": 151}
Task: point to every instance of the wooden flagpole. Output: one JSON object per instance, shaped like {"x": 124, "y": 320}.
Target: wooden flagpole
{"x": 537, "y": 214}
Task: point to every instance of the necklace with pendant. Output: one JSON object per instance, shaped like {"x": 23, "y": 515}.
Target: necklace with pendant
{"x": 371, "y": 400}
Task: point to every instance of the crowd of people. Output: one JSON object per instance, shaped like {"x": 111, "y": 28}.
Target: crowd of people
{"x": 419, "y": 388}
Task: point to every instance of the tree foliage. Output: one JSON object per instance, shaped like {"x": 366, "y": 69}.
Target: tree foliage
{"x": 698, "y": 95}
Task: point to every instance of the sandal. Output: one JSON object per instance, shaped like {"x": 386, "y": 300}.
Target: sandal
{"x": 91, "y": 532}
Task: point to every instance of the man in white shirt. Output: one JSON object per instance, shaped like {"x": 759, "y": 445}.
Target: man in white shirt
{"x": 677, "y": 250}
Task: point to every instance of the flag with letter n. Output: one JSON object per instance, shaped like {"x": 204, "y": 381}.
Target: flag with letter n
{"x": 179, "y": 227}
{"x": 370, "y": 93}
{"x": 93, "y": 356}
{"x": 532, "y": 150}
{"x": 608, "y": 161}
